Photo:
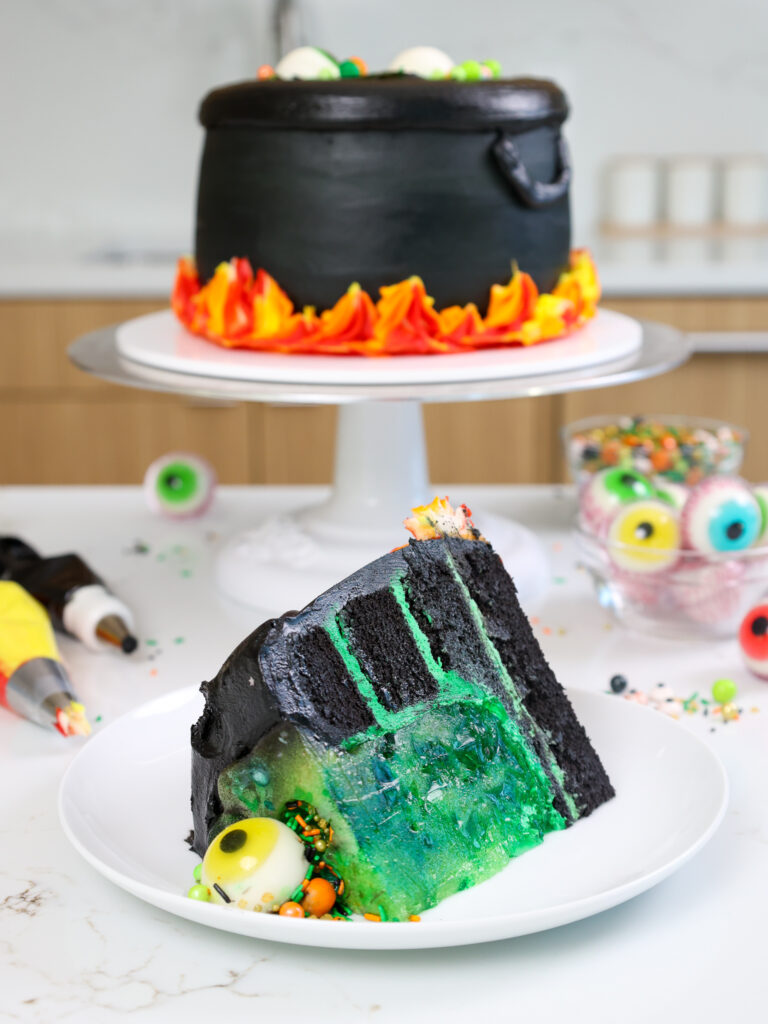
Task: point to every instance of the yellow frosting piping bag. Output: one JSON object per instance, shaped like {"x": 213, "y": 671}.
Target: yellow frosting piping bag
{"x": 33, "y": 682}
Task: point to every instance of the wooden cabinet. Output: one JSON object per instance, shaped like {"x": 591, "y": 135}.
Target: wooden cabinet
{"x": 62, "y": 426}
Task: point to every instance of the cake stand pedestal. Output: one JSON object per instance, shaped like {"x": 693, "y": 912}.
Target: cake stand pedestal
{"x": 380, "y": 470}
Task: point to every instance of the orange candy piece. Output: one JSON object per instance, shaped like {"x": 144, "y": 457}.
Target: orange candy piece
{"x": 360, "y": 64}
{"x": 265, "y": 71}
{"x": 291, "y": 909}
{"x": 319, "y": 897}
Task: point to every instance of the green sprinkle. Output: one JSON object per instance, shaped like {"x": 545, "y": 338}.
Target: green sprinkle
{"x": 179, "y": 640}
{"x": 151, "y": 643}
{"x": 382, "y": 914}
{"x": 186, "y": 573}
{"x": 197, "y": 873}
{"x": 97, "y": 718}
{"x": 558, "y": 579}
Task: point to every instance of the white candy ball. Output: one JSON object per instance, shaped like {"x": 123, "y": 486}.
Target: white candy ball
{"x": 307, "y": 62}
{"x": 425, "y": 61}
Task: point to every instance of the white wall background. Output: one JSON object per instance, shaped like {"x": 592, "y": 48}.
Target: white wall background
{"x": 98, "y": 98}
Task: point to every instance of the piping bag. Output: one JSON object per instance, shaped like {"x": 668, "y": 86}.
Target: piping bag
{"x": 76, "y": 599}
{"x": 33, "y": 682}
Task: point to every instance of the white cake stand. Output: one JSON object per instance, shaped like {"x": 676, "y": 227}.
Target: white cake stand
{"x": 381, "y": 461}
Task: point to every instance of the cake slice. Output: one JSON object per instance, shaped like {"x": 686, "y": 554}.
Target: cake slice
{"x": 411, "y": 705}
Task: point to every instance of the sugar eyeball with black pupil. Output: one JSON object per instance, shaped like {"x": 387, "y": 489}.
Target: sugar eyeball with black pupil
{"x": 644, "y": 537}
{"x": 179, "y": 485}
{"x": 721, "y": 515}
{"x": 257, "y": 863}
{"x": 607, "y": 491}
{"x": 753, "y": 640}
{"x": 307, "y": 63}
{"x": 424, "y": 61}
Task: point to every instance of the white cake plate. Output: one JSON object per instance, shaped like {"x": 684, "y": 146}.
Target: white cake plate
{"x": 381, "y": 463}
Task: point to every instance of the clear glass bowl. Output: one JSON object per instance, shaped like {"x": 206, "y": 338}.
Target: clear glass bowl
{"x": 693, "y": 597}
{"x": 710, "y": 446}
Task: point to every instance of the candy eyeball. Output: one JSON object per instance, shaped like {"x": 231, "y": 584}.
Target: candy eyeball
{"x": 644, "y": 537}
{"x": 607, "y": 491}
{"x": 307, "y": 62}
{"x": 753, "y": 640}
{"x": 673, "y": 493}
{"x": 424, "y": 61}
{"x": 179, "y": 485}
{"x": 256, "y": 863}
{"x": 760, "y": 492}
{"x": 721, "y": 515}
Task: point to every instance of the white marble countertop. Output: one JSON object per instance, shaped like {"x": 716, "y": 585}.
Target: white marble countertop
{"x": 73, "y": 947}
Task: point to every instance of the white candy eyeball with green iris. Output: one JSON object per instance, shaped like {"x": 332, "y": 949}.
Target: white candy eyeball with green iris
{"x": 607, "y": 491}
{"x": 644, "y": 537}
{"x": 721, "y": 515}
{"x": 256, "y": 864}
{"x": 424, "y": 61}
{"x": 760, "y": 492}
{"x": 673, "y": 493}
{"x": 179, "y": 485}
{"x": 308, "y": 63}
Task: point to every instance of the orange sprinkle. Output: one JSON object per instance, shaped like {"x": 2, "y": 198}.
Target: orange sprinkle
{"x": 330, "y": 835}
{"x": 153, "y": 671}
{"x": 546, "y": 631}
{"x": 301, "y": 821}
{"x": 341, "y": 888}
{"x": 534, "y": 620}
{"x": 414, "y": 917}
{"x": 371, "y": 917}
{"x": 313, "y": 832}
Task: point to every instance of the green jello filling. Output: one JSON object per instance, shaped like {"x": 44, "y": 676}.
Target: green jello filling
{"x": 419, "y": 814}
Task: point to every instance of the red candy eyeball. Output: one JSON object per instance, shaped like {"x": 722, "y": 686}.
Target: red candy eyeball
{"x": 753, "y": 638}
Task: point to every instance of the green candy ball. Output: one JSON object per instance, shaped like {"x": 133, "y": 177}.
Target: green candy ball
{"x": 473, "y": 70}
{"x": 494, "y": 67}
{"x": 349, "y": 69}
{"x": 197, "y": 873}
{"x": 459, "y": 73}
{"x": 199, "y": 892}
{"x": 724, "y": 690}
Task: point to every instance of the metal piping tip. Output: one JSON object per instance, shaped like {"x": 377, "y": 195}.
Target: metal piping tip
{"x": 114, "y": 631}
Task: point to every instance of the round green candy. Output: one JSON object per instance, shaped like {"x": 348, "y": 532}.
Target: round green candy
{"x": 197, "y": 873}
{"x": 494, "y": 67}
{"x": 349, "y": 69}
{"x": 473, "y": 70}
{"x": 459, "y": 73}
{"x": 199, "y": 892}
{"x": 724, "y": 690}
{"x": 178, "y": 482}
{"x": 627, "y": 484}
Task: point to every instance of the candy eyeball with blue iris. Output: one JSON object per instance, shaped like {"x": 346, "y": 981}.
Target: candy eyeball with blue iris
{"x": 644, "y": 537}
{"x": 721, "y": 515}
{"x": 254, "y": 864}
{"x": 179, "y": 485}
{"x": 424, "y": 61}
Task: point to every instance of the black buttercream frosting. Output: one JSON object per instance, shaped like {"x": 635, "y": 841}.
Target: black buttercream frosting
{"x": 373, "y": 180}
{"x": 288, "y": 671}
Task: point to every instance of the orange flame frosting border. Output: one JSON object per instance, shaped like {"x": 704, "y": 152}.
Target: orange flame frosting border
{"x": 240, "y": 309}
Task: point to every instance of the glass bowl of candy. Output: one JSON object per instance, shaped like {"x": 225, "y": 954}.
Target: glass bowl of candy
{"x": 686, "y": 564}
{"x": 674, "y": 449}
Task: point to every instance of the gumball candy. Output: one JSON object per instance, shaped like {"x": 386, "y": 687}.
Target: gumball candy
{"x": 606, "y": 492}
{"x": 721, "y": 515}
{"x": 291, "y": 909}
{"x": 753, "y": 640}
{"x": 724, "y": 690}
{"x": 179, "y": 485}
{"x": 473, "y": 70}
{"x": 644, "y": 537}
{"x": 319, "y": 897}
{"x": 265, "y": 72}
{"x": 307, "y": 62}
{"x": 424, "y": 61}
{"x": 256, "y": 863}
{"x": 199, "y": 892}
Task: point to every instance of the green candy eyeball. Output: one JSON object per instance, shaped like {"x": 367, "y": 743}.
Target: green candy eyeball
{"x": 179, "y": 485}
